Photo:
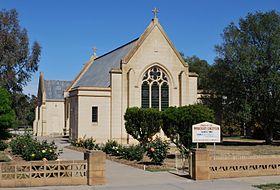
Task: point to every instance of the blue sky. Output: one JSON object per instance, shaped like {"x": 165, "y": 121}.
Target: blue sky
{"x": 67, "y": 30}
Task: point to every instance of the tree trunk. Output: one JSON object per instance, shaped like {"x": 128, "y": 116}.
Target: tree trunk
{"x": 268, "y": 134}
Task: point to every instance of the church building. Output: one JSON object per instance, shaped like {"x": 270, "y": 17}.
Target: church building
{"x": 49, "y": 113}
{"x": 147, "y": 72}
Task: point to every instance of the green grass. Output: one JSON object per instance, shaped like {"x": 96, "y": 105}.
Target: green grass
{"x": 238, "y": 138}
{"x": 269, "y": 186}
{"x": 3, "y": 157}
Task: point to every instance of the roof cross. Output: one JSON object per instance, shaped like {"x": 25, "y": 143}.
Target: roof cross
{"x": 155, "y": 11}
{"x": 94, "y": 51}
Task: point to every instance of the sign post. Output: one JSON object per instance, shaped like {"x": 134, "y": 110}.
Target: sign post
{"x": 206, "y": 133}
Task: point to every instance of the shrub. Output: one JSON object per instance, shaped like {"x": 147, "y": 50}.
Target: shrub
{"x": 142, "y": 123}
{"x": 231, "y": 130}
{"x": 7, "y": 114}
{"x": 87, "y": 143}
{"x": 132, "y": 152}
{"x": 32, "y": 149}
{"x": 3, "y": 145}
{"x": 112, "y": 147}
{"x": 177, "y": 123}
{"x": 157, "y": 150}
{"x": 21, "y": 142}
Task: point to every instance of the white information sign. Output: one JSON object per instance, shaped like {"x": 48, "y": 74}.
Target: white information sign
{"x": 206, "y": 133}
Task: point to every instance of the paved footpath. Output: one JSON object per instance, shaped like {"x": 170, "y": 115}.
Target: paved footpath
{"x": 122, "y": 177}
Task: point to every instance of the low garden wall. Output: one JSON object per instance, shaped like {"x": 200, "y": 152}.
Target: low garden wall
{"x": 205, "y": 167}
{"x": 90, "y": 171}
{"x": 261, "y": 166}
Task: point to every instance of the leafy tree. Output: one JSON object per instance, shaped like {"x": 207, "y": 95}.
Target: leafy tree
{"x": 142, "y": 123}
{"x": 178, "y": 121}
{"x": 199, "y": 66}
{"x": 17, "y": 63}
{"x": 247, "y": 72}
{"x": 7, "y": 115}
{"x": 24, "y": 107}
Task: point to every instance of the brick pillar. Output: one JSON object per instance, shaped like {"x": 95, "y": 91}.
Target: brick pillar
{"x": 200, "y": 164}
{"x": 96, "y": 167}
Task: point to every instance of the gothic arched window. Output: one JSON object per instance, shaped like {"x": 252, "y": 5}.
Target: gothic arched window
{"x": 155, "y": 89}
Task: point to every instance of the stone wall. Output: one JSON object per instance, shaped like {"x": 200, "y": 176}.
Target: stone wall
{"x": 244, "y": 167}
{"x": 205, "y": 167}
{"x": 47, "y": 173}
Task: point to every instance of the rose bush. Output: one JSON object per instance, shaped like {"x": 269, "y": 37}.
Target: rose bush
{"x": 87, "y": 143}
{"x": 32, "y": 149}
{"x": 157, "y": 150}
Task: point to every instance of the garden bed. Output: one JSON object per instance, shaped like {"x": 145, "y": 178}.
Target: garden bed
{"x": 4, "y": 157}
{"x": 12, "y": 157}
{"x": 168, "y": 164}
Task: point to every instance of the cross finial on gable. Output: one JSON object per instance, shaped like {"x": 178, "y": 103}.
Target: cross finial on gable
{"x": 155, "y": 11}
{"x": 94, "y": 51}
{"x": 94, "y": 54}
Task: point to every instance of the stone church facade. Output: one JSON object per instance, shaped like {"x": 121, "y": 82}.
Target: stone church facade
{"x": 146, "y": 72}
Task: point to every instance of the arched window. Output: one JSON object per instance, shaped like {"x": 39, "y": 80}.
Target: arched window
{"x": 155, "y": 89}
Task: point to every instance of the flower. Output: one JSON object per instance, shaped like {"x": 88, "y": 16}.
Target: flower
{"x": 50, "y": 150}
{"x": 33, "y": 155}
{"x": 43, "y": 151}
{"x": 152, "y": 149}
{"x": 44, "y": 159}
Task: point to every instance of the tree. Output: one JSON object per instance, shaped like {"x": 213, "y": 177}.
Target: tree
{"x": 17, "y": 63}
{"x": 177, "y": 123}
{"x": 24, "y": 107}
{"x": 199, "y": 66}
{"x": 7, "y": 115}
{"x": 247, "y": 71}
{"x": 142, "y": 123}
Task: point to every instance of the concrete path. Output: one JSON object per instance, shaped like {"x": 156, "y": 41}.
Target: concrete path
{"x": 61, "y": 143}
{"x": 123, "y": 177}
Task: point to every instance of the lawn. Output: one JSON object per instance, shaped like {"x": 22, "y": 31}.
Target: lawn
{"x": 270, "y": 186}
{"x": 244, "y": 147}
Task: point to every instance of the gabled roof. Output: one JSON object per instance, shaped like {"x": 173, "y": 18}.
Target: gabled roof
{"x": 54, "y": 89}
{"x": 98, "y": 72}
{"x": 152, "y": 25}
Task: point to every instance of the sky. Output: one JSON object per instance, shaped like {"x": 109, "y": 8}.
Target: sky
{"x": 67, "y": 30}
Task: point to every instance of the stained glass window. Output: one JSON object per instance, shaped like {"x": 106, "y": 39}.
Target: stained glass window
{"x": 155, "y": 89}
{"x": 155, "y": 95}
{"x": 145, "y": 95}
{"x": 164, "y": 96}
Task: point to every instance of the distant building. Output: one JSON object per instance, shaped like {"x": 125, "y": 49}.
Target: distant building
{"x": 146, "y": 72}
{"x": 49, "y": 117}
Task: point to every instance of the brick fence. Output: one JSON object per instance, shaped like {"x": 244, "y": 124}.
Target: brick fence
{"x": 205, "y": 167}
{"x": 90, "y": 171}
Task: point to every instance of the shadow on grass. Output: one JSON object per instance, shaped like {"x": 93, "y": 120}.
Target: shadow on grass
{"x": 150, "y": 163}
{"x": 240, "y": 143}
{"x": 268, "y": 186}
{"x": 244, "y": 143}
